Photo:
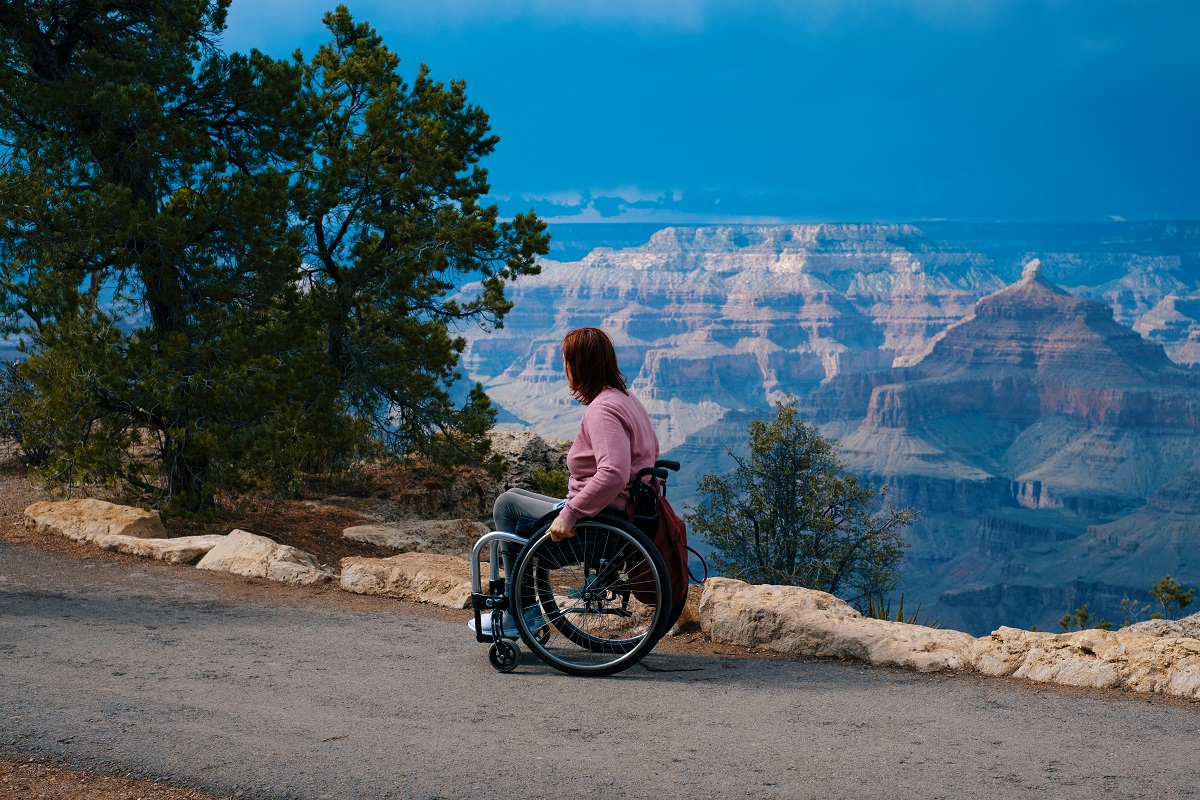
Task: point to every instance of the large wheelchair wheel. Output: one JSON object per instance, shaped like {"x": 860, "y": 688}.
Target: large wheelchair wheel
{"x": 603, "y": 594}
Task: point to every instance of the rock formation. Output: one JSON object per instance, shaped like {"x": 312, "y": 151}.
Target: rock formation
{"x": 1093, "y": 658}
{"x": 1188, "y": 626}
{"x": 180, "y": 550}
{"x": 85, "y": 520}
{"x": 420, "y": 577}
{"x": 525, "y": 453}
{"x": 803, "y": 622}
{"x": 1044, "y": 444}
{"x": 247, "y": 554}
{"x": 711, "y": 319}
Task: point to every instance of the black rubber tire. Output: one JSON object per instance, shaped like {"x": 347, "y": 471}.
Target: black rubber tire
{"x": 504, "y": 655}
{"x": 593, "y": 568}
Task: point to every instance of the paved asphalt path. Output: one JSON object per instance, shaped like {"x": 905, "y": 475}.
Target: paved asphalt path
{"x": 193, "y": 678}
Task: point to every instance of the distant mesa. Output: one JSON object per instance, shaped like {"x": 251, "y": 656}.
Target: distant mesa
{"x": 713, "y": 319}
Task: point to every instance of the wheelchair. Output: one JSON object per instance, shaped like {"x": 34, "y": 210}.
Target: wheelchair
{"x": 593, "y": 604}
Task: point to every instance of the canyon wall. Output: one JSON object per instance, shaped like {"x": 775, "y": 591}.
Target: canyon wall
{"x": 1048, "y": 448}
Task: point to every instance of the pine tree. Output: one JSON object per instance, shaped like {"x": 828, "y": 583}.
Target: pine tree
{"x": 389, "y": 195}
{"x": 227, "y": 266}
{"x": 790, "y": 514}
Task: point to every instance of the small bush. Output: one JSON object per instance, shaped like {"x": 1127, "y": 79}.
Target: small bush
{"x": 550, "y": 482}
{"x": 1172, "y": 596}
{"x": 1132, "y": 610}
{"x": 16, "y": 395}
{"x": 1081, "y": 619}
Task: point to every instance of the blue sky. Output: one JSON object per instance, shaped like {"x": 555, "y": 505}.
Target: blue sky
{"x": 690, "y": 111}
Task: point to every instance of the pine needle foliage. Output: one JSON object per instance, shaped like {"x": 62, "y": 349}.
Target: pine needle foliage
{"x": 1171, "y": 595}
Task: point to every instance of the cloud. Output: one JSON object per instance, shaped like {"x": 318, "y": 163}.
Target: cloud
{"x": 630, "y": 204}
{"x": 846, "y": 109}
{"x": 568, "y": 198}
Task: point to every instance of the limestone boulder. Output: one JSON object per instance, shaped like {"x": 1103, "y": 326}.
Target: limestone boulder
{"x": 803, "y": 622}
{"x": 1168, "y": 665}
{"x": 453, "y": 537}
{"x": 1086, "y": 658}
{"x": 86, "y": 519}
{"x": 423, "y": 577}
{"x": 1188, "y": 626}
{"x": 525, "y": 453}
{"x": 1093, "y": 658}
{"x": 181, "y": 550}
{"x": 1002, "y": 653}
{"x": 254, "y": 556}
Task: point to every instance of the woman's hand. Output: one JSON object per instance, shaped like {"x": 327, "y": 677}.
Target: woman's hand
{"x": 559, "y": 530}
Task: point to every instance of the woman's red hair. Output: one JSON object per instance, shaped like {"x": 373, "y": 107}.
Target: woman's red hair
{"x": 591, "y": 364}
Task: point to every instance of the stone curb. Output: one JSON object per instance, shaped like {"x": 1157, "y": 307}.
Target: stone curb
{"x": 795, "y": 621}
{"x": 789, "y": 620}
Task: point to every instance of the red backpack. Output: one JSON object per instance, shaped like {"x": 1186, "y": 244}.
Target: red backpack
{"x": 653, "y": 515}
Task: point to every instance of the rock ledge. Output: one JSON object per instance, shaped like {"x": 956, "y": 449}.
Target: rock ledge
{"x": 803, "y": 622}
{"x": 423, "y": 577}
{"x": 253, "y": 556}
{"x": 86, "y": 519}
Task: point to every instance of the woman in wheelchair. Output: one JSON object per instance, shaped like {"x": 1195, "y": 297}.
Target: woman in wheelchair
{"x": 615, "y": 441}
{"x": 583, "y": 587}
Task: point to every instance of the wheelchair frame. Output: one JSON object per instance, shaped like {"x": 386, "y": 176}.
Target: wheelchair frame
{"x": 635, "y": 548}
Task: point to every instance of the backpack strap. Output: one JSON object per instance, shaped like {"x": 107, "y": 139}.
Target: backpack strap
{"x": 691, "y": 574}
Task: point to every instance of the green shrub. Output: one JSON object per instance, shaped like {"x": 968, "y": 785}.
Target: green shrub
{"x": 550, "y": 482}
{"x": 1173, "y": 597}
{"x": 791, "y": 514}
{"x": 1081, "y": 619}
{"x": 878, "y": 608}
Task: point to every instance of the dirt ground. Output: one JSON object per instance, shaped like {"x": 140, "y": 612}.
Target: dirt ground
{"x": 38, "y": 779}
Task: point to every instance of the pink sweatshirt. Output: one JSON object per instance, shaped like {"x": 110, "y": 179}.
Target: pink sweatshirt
{"x": 615, "y": 440}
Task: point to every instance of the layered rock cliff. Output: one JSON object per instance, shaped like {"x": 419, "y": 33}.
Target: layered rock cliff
{"x": 1045, "y": 444}
{"x": 708, "y": 320}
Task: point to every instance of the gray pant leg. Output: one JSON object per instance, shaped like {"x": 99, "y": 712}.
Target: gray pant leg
{"x": 512, "y": 505}
{"x": 516, "y": 503}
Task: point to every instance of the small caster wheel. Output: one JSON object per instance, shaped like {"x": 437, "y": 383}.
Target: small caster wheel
{"x": 543, "y": 634}
{"x": 504, "y": 655}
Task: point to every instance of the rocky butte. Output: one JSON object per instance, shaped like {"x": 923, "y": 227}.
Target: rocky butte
{"x": 1051, "y": 450}
{"x": 1045, "y": 433}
